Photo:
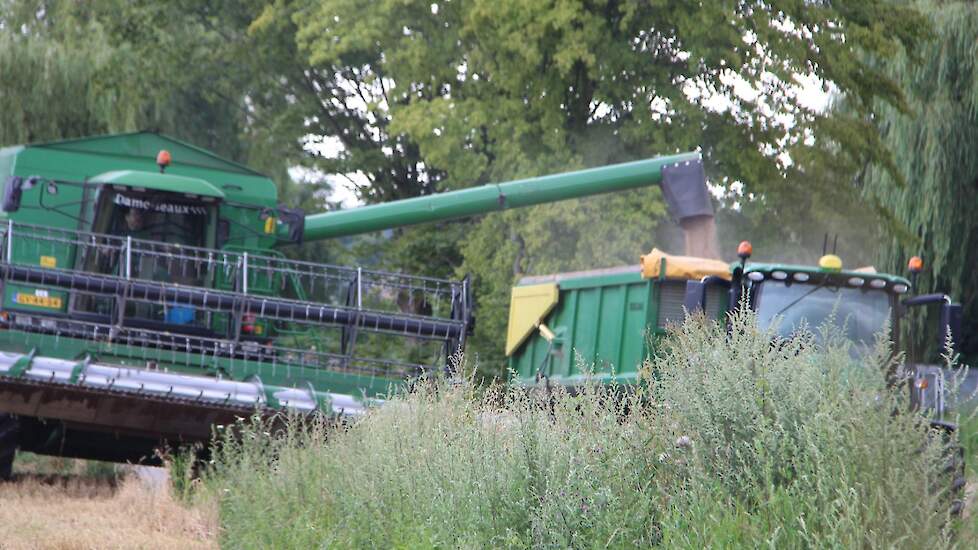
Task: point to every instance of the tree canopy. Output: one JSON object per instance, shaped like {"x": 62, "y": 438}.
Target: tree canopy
{"x": 494, "y": 90}
{"x": 409, "y": 98}
{"x": 69, "y": 69}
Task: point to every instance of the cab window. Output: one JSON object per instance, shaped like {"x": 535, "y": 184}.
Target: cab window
{"x": 862, "y": 313}
{"x": 164, "y": 218}
{"x": 157, "y": 217}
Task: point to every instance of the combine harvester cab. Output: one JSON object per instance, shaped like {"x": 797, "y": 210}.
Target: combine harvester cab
{"x": 144, "y": 302}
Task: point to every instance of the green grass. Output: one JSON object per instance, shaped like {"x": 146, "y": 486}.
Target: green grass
{"x": 733, "y": 442}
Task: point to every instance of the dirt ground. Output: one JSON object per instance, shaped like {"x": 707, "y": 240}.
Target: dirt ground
{"x": 76, "y": 507}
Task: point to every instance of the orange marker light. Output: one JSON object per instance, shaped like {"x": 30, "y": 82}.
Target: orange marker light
{"x": 915, "y": 265}
{"x": 744, "y": 250}
{"x": 163, "y": 159}
{"x": 248, "y": 323}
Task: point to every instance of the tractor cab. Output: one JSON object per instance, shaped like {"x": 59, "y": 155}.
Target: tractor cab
{"x": 787, "y": 298}
{"x": 859, "y": 304}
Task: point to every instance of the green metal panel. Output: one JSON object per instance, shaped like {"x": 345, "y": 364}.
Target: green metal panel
{"x": 607, "y": 353}
{"x": 490, "y": 198}
{"x": 600, "y": 323}
{"x": 606, "y": 319}
{"x": 139, "y": 144}
{"x": 635, "y": 315}
{"x": 161, "y": 182}
{"x": 585, "y": 331}
{"x": 84, "y": 158}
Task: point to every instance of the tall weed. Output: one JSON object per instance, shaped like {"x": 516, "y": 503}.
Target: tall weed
{"x": 732, "y": 441}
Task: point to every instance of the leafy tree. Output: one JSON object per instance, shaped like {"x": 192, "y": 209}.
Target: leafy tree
{"x": 823, "y": 206}
{"x": 492, "y": 90}
{"x": 49, "y": 84}
{"x": 934, "y": 187}
{"x": 419, "y": 97}
{"x": 70, "y": 69}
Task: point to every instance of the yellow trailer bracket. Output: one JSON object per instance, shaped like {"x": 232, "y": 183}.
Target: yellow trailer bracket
{"x": 528, "y": 305}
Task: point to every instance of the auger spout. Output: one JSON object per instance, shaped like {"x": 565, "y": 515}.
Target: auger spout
{"x": 680, "y": 175}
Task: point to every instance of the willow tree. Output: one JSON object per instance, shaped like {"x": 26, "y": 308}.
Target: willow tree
{"x": 47, "y": 91}
{"x": 933, "y": 190}
{"x": 69, "y": 69}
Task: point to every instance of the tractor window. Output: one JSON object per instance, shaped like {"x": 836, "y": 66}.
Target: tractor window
{"x": 861, "y": 313}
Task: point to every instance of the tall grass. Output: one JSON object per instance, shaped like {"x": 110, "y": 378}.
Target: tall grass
{"x": 732, "y": 441}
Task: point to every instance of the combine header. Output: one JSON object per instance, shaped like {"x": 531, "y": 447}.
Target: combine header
{"x": 144, "y": 300}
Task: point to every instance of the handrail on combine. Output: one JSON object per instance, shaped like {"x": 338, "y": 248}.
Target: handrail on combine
{"x": 95, "y": 286}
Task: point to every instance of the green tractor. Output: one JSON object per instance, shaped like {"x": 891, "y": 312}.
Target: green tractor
{"x": 594, "y": 325}
{"x": 145, "y": 298}
{"x": 598, "y": 326}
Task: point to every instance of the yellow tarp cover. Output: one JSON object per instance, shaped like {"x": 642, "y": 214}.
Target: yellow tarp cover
{"x": 528, "y": 305}
{"x": 682, "y": 267}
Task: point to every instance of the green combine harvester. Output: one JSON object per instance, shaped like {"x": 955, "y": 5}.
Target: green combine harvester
{"x": 145, "y": 299}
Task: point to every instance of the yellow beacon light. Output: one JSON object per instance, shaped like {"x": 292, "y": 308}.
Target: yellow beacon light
{"x": 830, "y": 262}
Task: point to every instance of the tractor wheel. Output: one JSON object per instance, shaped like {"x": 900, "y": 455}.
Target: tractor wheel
{"x": 9, "y": 434}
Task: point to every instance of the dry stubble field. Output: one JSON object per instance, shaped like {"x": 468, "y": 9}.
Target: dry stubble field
{"x": 67, "y": 504}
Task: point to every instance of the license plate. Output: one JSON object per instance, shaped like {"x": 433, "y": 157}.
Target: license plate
{"x": 52, "y": 302}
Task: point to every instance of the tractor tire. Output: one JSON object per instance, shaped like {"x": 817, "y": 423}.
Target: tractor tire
{"x": 9, "y": 435}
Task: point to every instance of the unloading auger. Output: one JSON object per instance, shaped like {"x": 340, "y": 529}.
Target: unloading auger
{"x": 144, "y": 298}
